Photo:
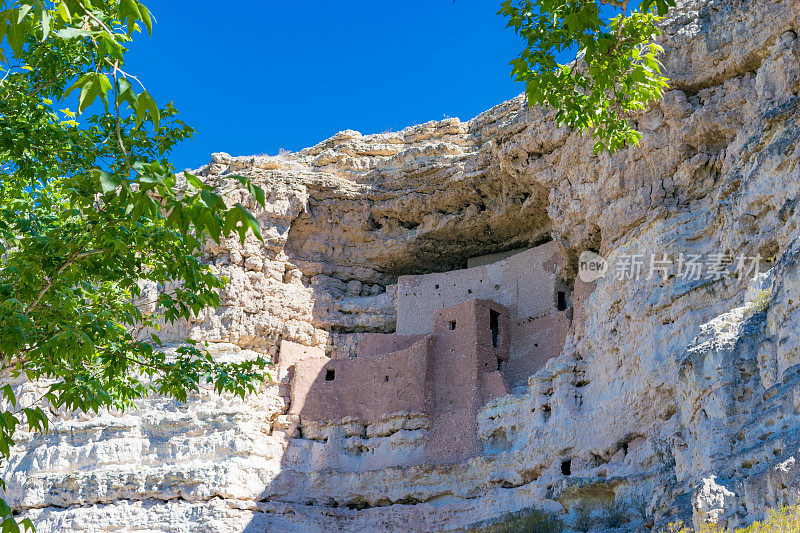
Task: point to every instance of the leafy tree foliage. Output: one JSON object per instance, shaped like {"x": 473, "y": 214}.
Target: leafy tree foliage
{"x": 90, "y": 209}
{"x": 615, "y": 71}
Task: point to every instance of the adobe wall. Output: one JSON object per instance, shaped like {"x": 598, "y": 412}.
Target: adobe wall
{"x": 302, "y": 364}
{"x": 464, "y": 355}
{"x": 481, "y": 260}
{"x": 290, "y": 353}
{"x": 534, "y": 342}
{"x": 381, "y": 343}
{"x": 525, "y": 282}
{"x": 447, "y": 376}
{"x": 365, "y": 388}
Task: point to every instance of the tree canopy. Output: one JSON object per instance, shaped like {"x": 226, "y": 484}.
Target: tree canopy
{"x": 90, "y": 210}
{"x": 615, "y": 71}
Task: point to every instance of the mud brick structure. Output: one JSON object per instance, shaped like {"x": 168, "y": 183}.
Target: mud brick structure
{"x": 463, "y": 337}
{"x": 526, "y": 283}
{"x": 446, "y": 375}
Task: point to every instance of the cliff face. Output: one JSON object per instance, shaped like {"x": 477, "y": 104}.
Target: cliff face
{"x": 679, "y": 397}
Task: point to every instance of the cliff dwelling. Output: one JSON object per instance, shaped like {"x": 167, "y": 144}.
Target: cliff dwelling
{"x": 478, "y": 394}
{"x": 462, "y": 338}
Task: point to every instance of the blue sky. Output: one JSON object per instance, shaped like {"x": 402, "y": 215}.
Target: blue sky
{"x": 253, "y": 77}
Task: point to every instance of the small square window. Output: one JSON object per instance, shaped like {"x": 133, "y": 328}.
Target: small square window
{"x": 330, "y": 374}
{"x": 452, "y": 325}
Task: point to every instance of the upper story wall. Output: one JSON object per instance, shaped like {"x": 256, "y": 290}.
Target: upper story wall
{"x": 381, "y": 343}
{"x": 525, "y": 283}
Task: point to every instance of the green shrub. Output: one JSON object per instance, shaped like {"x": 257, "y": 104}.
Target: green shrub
{"x": 529, "y": 520}
{"x": 761, "y": 301}
{"x": 785, "y": 519}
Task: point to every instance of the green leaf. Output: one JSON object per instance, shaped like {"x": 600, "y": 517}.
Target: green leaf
{"x": 250, "y": 221}
{"x": 112, "y": 47}
{"x": 79, "y": 83}
{"x": 16, "y": 37}
{"x": 258, "y": 193}
{"x": 9, "y": 525}
{"x": 73, "y": 33}
{"x": 212, "y": 200}
{"x": 104, "y": 85}
{"x": 126, "y": 93}
{"x": 108, "y": 182}
{"x": 92, "y": 85}
{"x": 23, "y": 11}
{"x": 89, "y": 92}
{"x": 45, "y": 25}
{"x": 8, "y": 395}
{"x": 147, "y": 105}
{"x": 62, "y": 10}
{"x": 152, "y": 178}
{"x": 194, "y": 181}
{"x": 147, "y": 18}
{"x": 129, "y": 14}
{"x": 37, "y": 420}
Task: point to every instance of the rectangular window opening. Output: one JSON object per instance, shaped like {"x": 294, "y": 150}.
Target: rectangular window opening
{"x": 452, "y": 325}
{"x": 494, "y": 325}
{"x": 330, "y": 374}
{"x": 561, "y": 300}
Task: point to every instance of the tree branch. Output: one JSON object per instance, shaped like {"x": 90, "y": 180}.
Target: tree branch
{"x": 118, "y": 127}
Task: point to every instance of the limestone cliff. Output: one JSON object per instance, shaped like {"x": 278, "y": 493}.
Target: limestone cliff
{"x": 681, "y": 398}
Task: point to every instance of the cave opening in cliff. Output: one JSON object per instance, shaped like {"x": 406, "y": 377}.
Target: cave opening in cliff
{"x": 566, "y": 467}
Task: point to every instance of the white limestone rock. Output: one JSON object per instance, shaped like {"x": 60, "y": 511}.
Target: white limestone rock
{"x": 680, "y": 398}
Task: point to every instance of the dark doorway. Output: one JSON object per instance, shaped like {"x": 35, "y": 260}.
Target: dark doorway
{"x": 561, "y": 300}
{"x": 494, "y": 325}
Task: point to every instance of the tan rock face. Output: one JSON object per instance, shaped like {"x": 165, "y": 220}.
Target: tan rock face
{"x": 679, "y": 397}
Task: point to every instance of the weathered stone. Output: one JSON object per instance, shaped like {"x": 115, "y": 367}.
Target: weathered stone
{"x": 662, "y": 383}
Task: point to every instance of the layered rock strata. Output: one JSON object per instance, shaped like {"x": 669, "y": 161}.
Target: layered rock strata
{"x": 677, "y": 397}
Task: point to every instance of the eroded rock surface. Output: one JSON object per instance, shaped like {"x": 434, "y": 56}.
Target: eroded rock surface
{"x": 680, "y": 398}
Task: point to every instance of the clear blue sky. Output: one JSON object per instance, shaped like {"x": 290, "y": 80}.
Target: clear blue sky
{"x": 256, "y": 76}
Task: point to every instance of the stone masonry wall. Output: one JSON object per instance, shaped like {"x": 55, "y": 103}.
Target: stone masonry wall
{"x": 675, "y": 397}
{"x": 526, "y": 282}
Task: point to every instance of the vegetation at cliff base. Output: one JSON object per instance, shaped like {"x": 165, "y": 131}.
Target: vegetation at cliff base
{"x": 91, "y": 212}
{"x": 785, "y": 519}
{"x": 530, "y": 520}
{"x": 615, "y": 72}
